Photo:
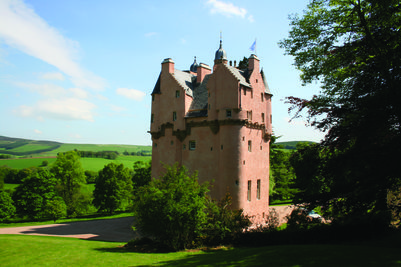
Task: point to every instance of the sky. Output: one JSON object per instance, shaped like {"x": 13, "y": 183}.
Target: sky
{"x": 82, "y": 71}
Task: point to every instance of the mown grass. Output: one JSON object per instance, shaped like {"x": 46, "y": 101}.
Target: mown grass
{"x": 19, "y": 250}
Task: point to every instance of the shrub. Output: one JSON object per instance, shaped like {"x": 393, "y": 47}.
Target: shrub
{"x": 171, "y": 208}
{"x": 223, "y": 225}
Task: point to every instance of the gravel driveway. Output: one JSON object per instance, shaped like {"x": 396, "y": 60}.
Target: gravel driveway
{"x": 116, "y": 230}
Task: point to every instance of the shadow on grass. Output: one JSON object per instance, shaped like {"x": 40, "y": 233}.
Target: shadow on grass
{"x": 290, "y": 255}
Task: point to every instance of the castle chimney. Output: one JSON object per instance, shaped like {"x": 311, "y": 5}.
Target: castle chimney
{"x": 253, "y": 63}
{"x": 235, "y": 63}
{"x": 231, "y": 63}
{"x": 168, "y": 65}
{"x": 202, "y": 71}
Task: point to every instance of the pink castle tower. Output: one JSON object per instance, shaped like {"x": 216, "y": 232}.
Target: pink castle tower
{"x": 218, "y": 124}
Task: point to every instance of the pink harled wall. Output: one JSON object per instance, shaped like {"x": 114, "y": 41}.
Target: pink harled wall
{"x": 237, "y": 156}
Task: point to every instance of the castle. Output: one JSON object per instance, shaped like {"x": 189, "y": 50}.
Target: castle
{"x": 218, "y": 123}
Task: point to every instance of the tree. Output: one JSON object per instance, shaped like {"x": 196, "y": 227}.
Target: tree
{"x": 7, "y": 209}
{"x": 172, "y": 208}
{"x": 281, "y": 173}
{"x": 55, "y": 208}
{"x": 70, "y": 177}
{"x": 352, "y": 48}
{"x": 113, "y": 188}
{"x": 33, "y": 194}
{"x": 142, "y": 174}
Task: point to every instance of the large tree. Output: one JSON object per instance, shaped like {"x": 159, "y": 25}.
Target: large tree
{"x": 353, "y": 48}
{"x": 32, "y": 196}
{"x": 113, "y": 188}
{"x": 70, "y": 178}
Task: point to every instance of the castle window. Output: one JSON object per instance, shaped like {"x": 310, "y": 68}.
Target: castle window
{"x": 244, "y": 91}
{"x": 155, "y": 144}
{"x": 172, "y": 143}
{"x": 258, "y": 189}
{"x": 261, "y": 147}
{"x": 177, "y": 94}
{"x": 249, "y": 189}
{"x": 153, "y": 98}
{"x": 243, "y": 138}
{"x": 262, "y": 97}
{"x": 250, "y": 146}
{"x": 263, "y": 117}
{"x": 174, "y": 116}
{"x": 243, "y": 162}
{"x": 184, "y": 146}
{"x": 249, "y": 115}
{"x": 209, "y": 106}
{"x": 271, "y": 118}
{"x": 256, "y": 80}
{"x": 211, "y": 148}
{"x": 228, "y": 113}
{"x": 192, "y": 145}
{"x": 152, "y": 118}
{"x": 221, "y": 147}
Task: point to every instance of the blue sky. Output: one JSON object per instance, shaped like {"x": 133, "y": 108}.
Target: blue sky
{"x": 82, "y": 71}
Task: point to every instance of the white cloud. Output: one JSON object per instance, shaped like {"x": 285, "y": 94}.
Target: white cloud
{"x": 37, "y": 131}
{"x": 53, "y": 76}
{"x": 32, "y": 35}
{"x": 60, "y": 109}
{"x": 226, "y": 8}
{"x": 78, "y": 92}
{"x": 116, "y": 108}
{"x": 131, "y": 93}
{"x": 49, "y": 90}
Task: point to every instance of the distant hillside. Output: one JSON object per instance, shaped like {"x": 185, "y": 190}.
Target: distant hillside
{"x": 33, "y": 148}
{"x": 292, "y": 144}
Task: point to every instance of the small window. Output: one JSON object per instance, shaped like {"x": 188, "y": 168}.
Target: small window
{"x": 192, "y": 145}
{"x": 244, "y": 91}
{"x": 209, "y": 106}
{"x": 172, "y": 143}
{"x": 184, "y": 146}
{"x": 228, "y": 113}
{"x": 174, "y": 116}
{"x": 262, "y": 97}
{"x": 153, "y": 98}
{"x": 177, "y": 94}
{"x": 256, "y": 80}
{"x": 243, "y": 138}
{"x": 211, "y": 148}
{"x": 261, "y": 147}
{"x": 271, "y": 118}
{"x": 249, "y": 189}
{"x": 243, "y": 162}
{"x": 263, "y": 117}
{"x": 152, "y": 118}
{"x": 221, "y": 147}
{"x": 258, "y": 189}
{"x": 155, "y": 144}
{"x": 250, "y": 146}
{"x": 249, "y": 115}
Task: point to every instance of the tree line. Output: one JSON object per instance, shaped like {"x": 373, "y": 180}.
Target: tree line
{"x": 61, "y": 190}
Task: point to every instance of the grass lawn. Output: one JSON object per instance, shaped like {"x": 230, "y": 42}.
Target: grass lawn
{"x": 19, "y": 250}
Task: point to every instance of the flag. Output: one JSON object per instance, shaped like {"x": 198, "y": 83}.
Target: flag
{"x": 253, "y": 47}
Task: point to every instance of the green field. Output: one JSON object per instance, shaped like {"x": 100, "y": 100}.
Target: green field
{"x": 92, "y": 164}
{"x": 19, "y": 250}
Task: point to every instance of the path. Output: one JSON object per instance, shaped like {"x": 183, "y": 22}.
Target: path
{"x": 115, "y": 230}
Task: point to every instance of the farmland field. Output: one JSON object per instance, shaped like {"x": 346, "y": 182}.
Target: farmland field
{"x": 92, "y": 164}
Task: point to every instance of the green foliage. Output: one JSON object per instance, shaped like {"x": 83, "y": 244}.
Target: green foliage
{"x": 142, "y": 174}
{"x": 171, "y": 208}
{"x": 113, "y": 188}
{"x": 70, "y": 177}
{"x": 55, "y": 209}
{"x": 223, "y": 225}
{"x": 243, "y": 64}
{"x": 33, "y": 194}
{"x": 90, "y": 176}
{"x": 7, "y": 209}
{"x": 281, "y": 173}
{"x": 352, "y": 48}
